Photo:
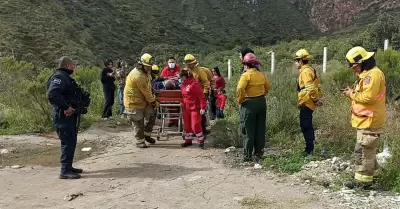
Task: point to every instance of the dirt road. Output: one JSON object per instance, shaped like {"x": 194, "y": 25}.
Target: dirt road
{"x": 163, "y": 176}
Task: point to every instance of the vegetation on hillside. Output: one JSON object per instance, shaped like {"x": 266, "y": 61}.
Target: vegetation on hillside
{"x": 90, "y": 31}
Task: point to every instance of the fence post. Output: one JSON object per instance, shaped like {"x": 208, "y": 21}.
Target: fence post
{"x": 229, "y": 69}
{"x": 325, "y": 59}
{"x": 386, "y": 45}
{"x": 272, "y": 62}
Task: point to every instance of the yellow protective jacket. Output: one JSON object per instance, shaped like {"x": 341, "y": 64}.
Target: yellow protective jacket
{"x": 368, "y": 100}
{"x": 138, "y": 93}
{"x": 308, "y": 86}
{"x": 252, "y": 83}
{"x": 210, "y": 78}
{"x": 200, "y": 76}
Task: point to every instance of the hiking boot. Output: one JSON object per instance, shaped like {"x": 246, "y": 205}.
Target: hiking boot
{"x": 77, "y": 170}
{"x": 150, "y": 140}
{"x": 356, "y": 184}
{"x": 141, "y": 145}
{"x": 70, "y": 175}
{"x": 186, "y": 144}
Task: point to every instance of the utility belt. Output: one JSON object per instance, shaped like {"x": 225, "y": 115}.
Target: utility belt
{"x": 257, "y": 97}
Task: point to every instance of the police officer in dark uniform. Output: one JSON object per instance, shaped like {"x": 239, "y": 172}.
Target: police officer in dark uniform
{"x": 69, "y": 101}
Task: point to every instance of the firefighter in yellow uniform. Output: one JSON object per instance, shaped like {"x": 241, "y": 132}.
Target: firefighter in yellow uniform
{"x": 139, "y": 101}
{"x": 200, "y": 75}
{"x": 308, "y": 96}
{"x": 251, "y": 90}
{"x": 368, "y": 113}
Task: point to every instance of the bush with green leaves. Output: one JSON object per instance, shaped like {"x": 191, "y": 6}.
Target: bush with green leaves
{"x": 23, "y": 99}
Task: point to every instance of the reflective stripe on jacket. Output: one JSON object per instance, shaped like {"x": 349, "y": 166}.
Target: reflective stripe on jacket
{"x": 308, "y": 85}
{"x": 368, "y": 100}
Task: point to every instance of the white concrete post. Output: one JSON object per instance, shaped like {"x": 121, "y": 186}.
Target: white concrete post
{"x": 229, "y": 69}
{"x": 325, "y": 59}
{"x": 272, "y": 62}
{"x": 386, "y": 45}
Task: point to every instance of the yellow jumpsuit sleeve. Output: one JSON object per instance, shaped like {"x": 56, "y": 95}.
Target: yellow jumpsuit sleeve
{"x": 309, "y": 90}
{"x": 370, "y": 88}
{"x": 204, "y": 81}
{"x": 241, "y": 89}
{"x": 267, "y": 85}
{"x": 145, "y": 89}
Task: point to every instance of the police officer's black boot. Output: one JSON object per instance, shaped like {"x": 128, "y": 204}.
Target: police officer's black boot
{"x": 149, "y": 140}
{"x": 77, "y": 170}
{"x": 67, "y": 173}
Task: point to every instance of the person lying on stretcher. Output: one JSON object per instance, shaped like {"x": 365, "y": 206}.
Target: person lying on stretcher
{"x": 161, "y": 84}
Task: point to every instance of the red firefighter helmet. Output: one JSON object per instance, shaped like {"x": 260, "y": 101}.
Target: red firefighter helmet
{"x": 250, "y": 58}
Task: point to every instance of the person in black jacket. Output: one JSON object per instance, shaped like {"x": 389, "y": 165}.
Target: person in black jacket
{"x": 66, "y": 97}
{"x": 107, "y": 79}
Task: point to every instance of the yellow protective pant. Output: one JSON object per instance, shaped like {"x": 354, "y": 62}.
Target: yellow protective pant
{"x": 142, "y": 121}
{"x": 365, "y": 154}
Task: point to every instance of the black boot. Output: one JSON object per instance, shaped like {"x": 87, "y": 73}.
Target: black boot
{"x": 186, "y": 144}
{"x": 149, "y": 140}
{"x": 356, "y": 184}
{"x": 77, "y": 170}
{"x": 70, "y": 175}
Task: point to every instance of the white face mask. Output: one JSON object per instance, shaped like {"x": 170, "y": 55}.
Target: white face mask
{"x": 171, "y": 65}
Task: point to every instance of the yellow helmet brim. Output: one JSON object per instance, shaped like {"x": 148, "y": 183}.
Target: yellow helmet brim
{"x": 188, "y": 62}
{"x": 369, "y": 55}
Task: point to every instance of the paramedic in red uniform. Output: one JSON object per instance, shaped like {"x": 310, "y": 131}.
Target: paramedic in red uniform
{"x": 172, "y": 69}
{"x": 194, "y": 105}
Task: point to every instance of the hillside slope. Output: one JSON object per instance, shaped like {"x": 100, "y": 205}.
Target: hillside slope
{"x": 329, "y": 15}
{"x": 90, "y": 30}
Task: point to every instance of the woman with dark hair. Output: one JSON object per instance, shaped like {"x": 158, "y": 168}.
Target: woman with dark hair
{"x": 219, "y": 85}
{"x": 219, "y": 79}
{"x": 107, "y": 79}
{"x": 250, "y": 95}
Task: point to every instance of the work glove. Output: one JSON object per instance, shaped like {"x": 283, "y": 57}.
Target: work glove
{"x": 155, "y": 104}
{"x": 202, "y": 112}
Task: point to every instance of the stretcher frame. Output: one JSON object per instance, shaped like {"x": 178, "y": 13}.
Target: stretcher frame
{"x": 169, "y": 99}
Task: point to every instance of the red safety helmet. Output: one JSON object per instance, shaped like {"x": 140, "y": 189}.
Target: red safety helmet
{"x": 250, "y": 58}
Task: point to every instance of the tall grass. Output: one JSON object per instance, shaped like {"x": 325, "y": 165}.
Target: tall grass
{"x": 331, "y": 121}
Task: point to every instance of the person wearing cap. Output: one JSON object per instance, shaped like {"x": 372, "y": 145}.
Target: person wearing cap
{"x": 140, "y": 102}
{"x": 368, "y": 113}
{"x": 201, "y": 76}
{"x": 251, "y": 90}
{"x": 108, "y": 79}
{"x": 309, "y": 94}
